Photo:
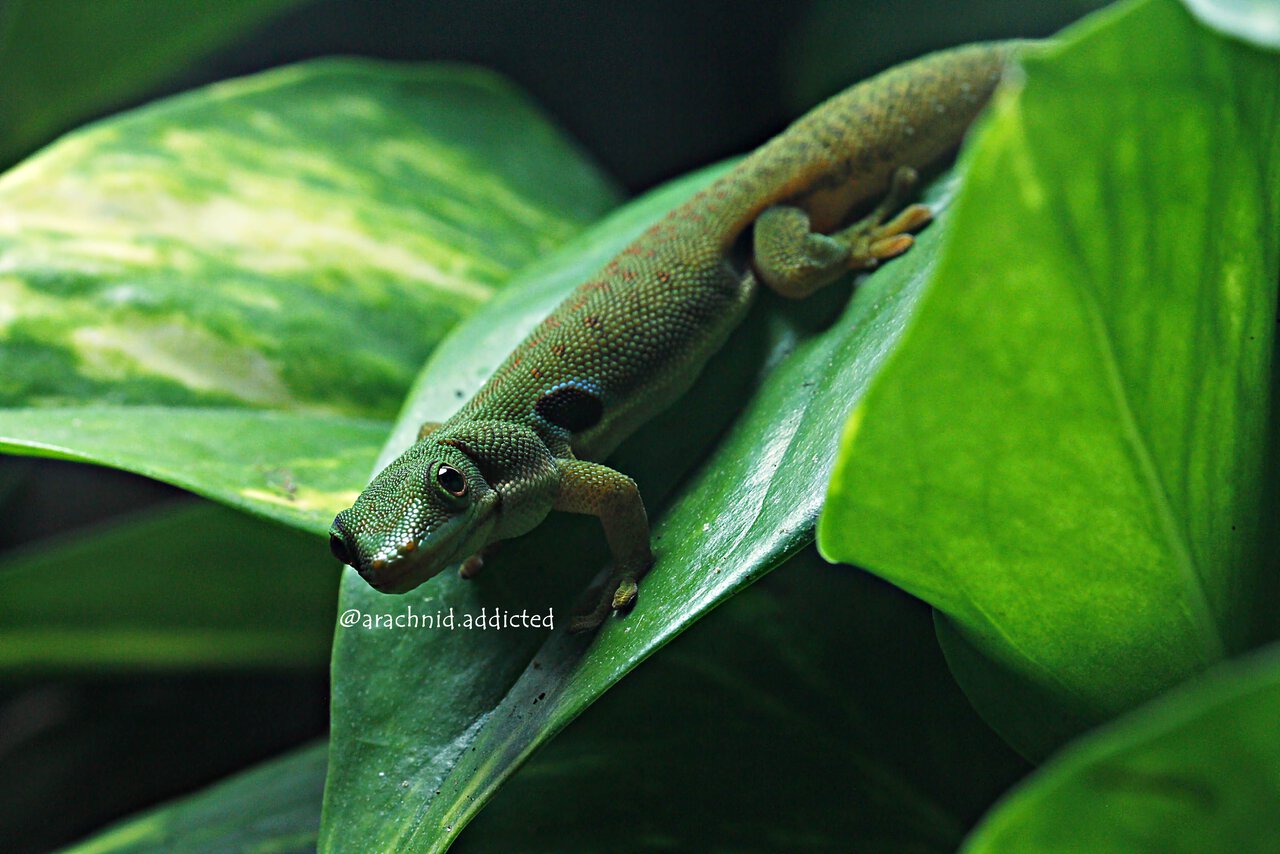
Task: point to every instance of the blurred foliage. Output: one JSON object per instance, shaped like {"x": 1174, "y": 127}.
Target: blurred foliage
{"x": 232, "y": 291}
{"x": 1194, "y": 771}
{"x": 65, "y": 60}
{"x": 175, "y": 589}
{"x": 835, "y": 41}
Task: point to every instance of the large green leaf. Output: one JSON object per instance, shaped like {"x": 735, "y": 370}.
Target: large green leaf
{"x": 295, "y": 240}
{"x": 844, "y": 734}
{"x": 63, "y": 60}
{"x": 428, "y": 723}
{"x": 1065, "y": 456}
{"x": 272, "y": 809}
{"x": 298, "y": 240}
{"x": 1196, "y": 770}
{"x": 177, "y": 588}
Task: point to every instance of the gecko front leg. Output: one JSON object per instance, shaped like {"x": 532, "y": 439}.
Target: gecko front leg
{"x": 597, "y": 490}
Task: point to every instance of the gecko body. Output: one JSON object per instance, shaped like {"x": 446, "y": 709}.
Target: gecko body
{"x": 631, "y": 339}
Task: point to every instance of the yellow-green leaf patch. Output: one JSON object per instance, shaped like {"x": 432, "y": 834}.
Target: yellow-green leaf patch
{"x": 295, "y": 240}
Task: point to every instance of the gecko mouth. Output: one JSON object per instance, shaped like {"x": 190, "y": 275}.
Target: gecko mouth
{"x": 392, "y": 566}
{"x": 401, "y": 569}
{"x": 385, "y": 576}
{"x": 398, "y": 573}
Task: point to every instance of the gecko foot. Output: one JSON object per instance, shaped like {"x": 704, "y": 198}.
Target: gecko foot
{"x": 877, "y": 237}
{"x": 471, "y": 566}
{"x": 618, "y": 594}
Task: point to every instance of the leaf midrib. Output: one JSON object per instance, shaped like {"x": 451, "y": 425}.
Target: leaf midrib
{"x": 1212, "y": 647}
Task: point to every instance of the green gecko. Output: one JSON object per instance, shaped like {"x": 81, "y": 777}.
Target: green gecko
{"x": 629, "y": 341}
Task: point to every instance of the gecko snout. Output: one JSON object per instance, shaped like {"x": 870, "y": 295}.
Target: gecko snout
{"x": 338, "y": 544}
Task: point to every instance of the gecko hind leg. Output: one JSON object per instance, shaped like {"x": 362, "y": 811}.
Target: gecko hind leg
{"x": 795, "y": 261}
{"x": 878, "y": 237}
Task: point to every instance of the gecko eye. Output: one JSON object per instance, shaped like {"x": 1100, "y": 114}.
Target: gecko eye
{"x": 451, "y": 480}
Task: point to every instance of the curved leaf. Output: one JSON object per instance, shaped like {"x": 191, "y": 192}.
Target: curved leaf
{"x": 1196, "y": 770}
{"x": 418, "y": 746}
{"x": 298, "y": 240}
{"x": 1065, "y": 455}
{"x": 180, "y": 587}
{"x": 293, "y": 468}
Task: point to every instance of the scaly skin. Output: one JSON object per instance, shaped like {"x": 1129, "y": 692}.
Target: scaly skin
{"x": 633, "y": 338}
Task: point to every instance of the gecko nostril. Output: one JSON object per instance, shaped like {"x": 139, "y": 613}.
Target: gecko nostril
{"x": 338, "y": 545}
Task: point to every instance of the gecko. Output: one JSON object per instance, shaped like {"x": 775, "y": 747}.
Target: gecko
{"x": 627, "y": 342}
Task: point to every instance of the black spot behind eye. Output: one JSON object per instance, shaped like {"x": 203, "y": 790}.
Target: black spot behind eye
{"x": 451, "y": 480}
{"x": 571, "y": 407}
{"x": 338, "y": 546}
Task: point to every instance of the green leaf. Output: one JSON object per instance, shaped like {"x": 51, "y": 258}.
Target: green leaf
{"x": 428, "y": 723}
{"x": 1065, "y": 455}
{"x": 273, "y": 809}
{"x": 295, "y": 240}
{"x": 1196, "y": 770}
{"x": 63, "y": 60}
{"x": 768, "y": 727}
{"x": 299, "y": 240}
{"x": 181, "y": 587}
{"x": 293, "y": 468}
{"x": 864, "y": 710}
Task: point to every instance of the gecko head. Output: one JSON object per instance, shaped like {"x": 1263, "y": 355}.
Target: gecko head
{"x": 426, "y": 511}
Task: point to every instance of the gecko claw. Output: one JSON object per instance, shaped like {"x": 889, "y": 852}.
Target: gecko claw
{"x": 619, "y": 596}
{"x": 471, "y": 566}
{"x": 624, "y": 596}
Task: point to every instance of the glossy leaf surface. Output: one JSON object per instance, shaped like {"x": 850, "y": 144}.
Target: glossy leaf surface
{"x": 1065, "y": 456}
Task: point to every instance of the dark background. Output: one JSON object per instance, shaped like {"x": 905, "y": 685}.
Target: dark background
{"x": 651, "y": 90}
